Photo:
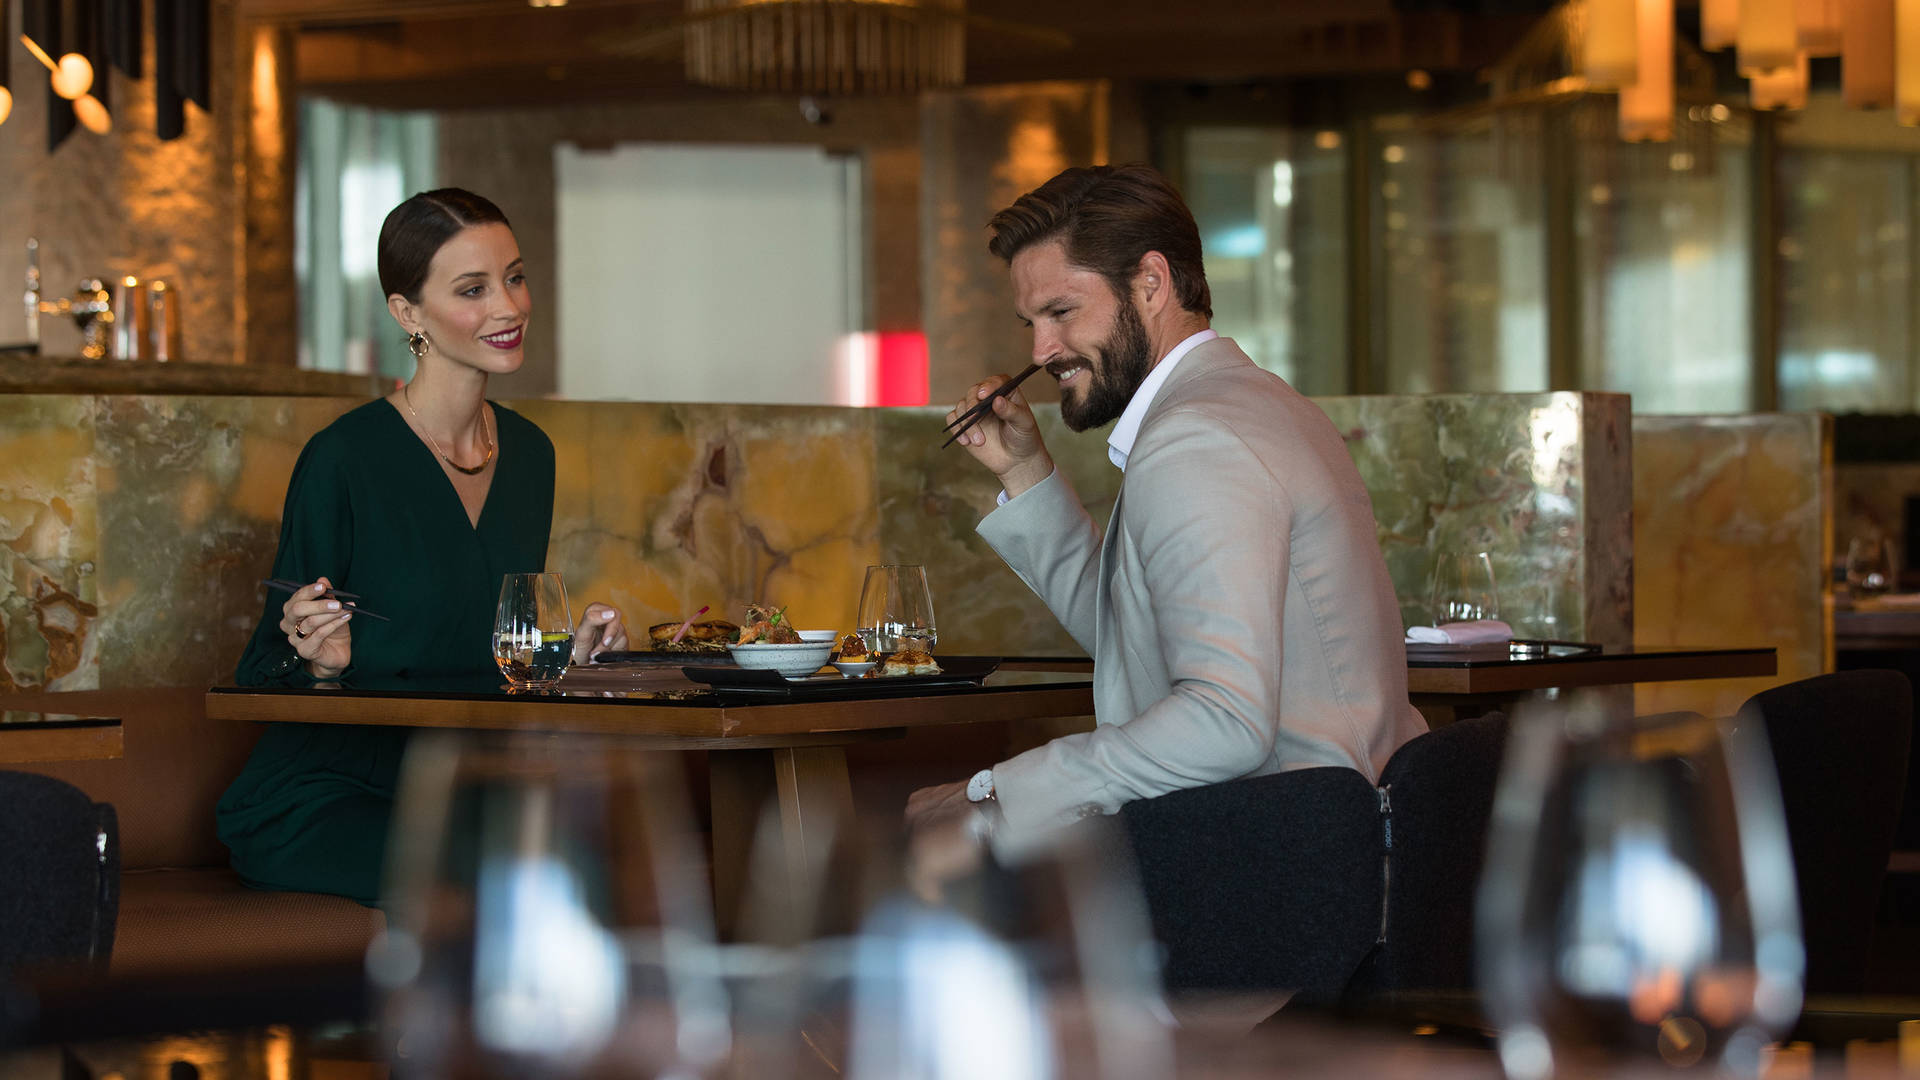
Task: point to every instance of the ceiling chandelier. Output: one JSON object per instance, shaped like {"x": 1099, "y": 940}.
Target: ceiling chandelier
{"x": 1628, "y": 46}
{"x": 827, "y": 46}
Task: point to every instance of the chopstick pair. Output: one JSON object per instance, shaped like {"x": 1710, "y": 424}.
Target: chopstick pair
{"x": 346, "y": 598}
{"x": 972, "y": 416}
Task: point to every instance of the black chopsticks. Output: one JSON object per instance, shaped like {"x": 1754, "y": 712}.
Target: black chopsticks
{"x": 346, "y": 598}
{"x": 974, "y": 415}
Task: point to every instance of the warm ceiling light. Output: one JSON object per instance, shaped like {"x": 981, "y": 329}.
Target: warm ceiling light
{"x": 1783, "y": 88}
{"x": 1866, "y": 53}
{"x": 1646, "y": 104}
{"x": 1769, "y": 37}
{"x": 1418, "y": 79}
{"x": 1719, "y": 23}
{"x": 1612, "y": 43}
{"x": 92, "y": 115}
{"x": 6, "y": 104}
{"x": 72, "y": 77}
{"x": 1817, "y": 24}
{"x": 1327, "y": 140}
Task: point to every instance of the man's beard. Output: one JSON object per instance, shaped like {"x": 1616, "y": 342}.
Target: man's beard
{"x": 1124, "y": 361}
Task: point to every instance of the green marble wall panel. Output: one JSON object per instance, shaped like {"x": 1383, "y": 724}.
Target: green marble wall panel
{"x": 1732, "y": 535}
{"x": 49, "y": 543}
{"x": 134, "y": 529}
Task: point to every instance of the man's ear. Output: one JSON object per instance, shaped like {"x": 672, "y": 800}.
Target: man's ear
{"x": 404, "y": 313}
{"x": 1153, "y": 290}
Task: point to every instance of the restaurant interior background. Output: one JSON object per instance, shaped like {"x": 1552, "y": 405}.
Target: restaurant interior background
{"x": 1468, "y": 279}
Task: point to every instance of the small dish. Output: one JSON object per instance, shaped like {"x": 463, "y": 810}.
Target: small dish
{"x": 853, "y": 670}
{"x": 817, "y": 636}
{"x": 793, "y": 661}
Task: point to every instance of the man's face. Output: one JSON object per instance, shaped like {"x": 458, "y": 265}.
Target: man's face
{"x": 1092, "y": 342}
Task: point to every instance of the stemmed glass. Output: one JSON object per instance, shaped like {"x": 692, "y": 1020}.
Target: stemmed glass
{"x": 1638, "y": 896}
{"x": 896, "y": 610}
{"x": 547, "y": 915}
{"x": 532, "y": 630}
{"x": 1462, "y": 588}
{"x": 1870, "y": 565}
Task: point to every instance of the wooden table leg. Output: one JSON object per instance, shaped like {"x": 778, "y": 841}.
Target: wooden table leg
{"x": 815, "y": 801}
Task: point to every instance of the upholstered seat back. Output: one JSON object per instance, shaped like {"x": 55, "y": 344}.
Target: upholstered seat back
{"x": 59, "y": 874}
{"x": 1271, "y": 882}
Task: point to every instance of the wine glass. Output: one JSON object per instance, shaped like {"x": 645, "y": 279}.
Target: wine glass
{"x": 1638, "y": 899}
{"x": 1462, "y": 588}
{"x": 1870, "y": 565}
{"x": 1045, "y": 968}
{"x": 547, "y": 915}
{"x": 532, "y": 630}
{"x": 896, "y": 610}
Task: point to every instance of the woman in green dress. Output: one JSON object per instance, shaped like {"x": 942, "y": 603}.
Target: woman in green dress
{"x": 418, "y": 502}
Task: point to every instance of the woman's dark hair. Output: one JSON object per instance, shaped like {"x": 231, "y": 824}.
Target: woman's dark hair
{"x": 1110, "y": 216}
{"x": 416, "y": 229}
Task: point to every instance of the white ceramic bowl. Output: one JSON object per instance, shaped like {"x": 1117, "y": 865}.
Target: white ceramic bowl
{"x": 793, "y": 661}
{"x": 815, "y": 636}
{"x": 853, "y": 670}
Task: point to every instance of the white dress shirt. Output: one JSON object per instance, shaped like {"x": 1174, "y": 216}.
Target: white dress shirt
{"x": 1127, "y": 428}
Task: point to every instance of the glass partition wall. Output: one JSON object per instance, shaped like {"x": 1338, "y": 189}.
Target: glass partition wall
{"x": 1764, "y": 261}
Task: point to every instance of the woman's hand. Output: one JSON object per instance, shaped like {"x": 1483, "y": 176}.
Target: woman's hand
{"x": 600, "y": 630}
{"x": 316, "y": 627}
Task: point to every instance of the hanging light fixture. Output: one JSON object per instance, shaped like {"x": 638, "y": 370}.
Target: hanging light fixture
{"x": 1646, "y": 106}
{"x": 827, "y": 46}
{"x": 1817, "y": 26}
{"x": 6, "y": 61}
{"x": 1906, "y": 63}
{"x": 1866, "y": 53}
{"x": 1768, "y": 36}
{"x": 1611, "y": 56}
{"x": 1781, "y": 88}
{"x": 1719, "y": 24}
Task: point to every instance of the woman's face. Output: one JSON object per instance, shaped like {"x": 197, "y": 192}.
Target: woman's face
{"x": 474, "y": 304}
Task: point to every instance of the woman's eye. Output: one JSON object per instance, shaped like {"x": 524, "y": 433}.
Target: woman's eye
{"x": 475, "y": 291}
{"x": 518, "y": 279}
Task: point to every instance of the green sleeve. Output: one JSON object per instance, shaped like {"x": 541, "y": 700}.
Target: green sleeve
{"x": 316, "y": 538}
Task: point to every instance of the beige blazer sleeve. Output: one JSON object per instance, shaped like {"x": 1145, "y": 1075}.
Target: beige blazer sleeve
{"x": 1199, "y": 576}
{"x": 1049, "y": 540}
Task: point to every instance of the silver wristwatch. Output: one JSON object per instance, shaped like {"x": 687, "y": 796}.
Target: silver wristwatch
{"x": 980, "y": 788}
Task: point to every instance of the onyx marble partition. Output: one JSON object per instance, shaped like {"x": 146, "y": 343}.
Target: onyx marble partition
{"x": 1732, "y": 539}
{"x": 133, "y": 530}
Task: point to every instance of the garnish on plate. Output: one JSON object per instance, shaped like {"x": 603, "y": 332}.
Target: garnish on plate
{"x": 767, "y": 625}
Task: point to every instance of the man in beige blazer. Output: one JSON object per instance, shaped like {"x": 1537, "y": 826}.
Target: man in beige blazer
{"x": 1237, "y": 607}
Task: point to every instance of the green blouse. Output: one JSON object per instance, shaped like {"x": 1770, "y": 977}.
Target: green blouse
{"x": 370, "y": 508}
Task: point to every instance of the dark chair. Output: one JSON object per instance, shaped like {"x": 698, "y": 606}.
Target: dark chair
{"x": 1840, "y": 744}
{"x": 1437, "y": 810}
{"x": 59, "y": 874}
{"x": 1271, "y": 882}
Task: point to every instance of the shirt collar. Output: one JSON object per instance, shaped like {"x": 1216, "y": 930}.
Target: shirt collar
{"x": 1127, "y": 428}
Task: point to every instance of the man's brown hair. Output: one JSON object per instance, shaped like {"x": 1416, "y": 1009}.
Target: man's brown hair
{"x": 1110, "y": 216}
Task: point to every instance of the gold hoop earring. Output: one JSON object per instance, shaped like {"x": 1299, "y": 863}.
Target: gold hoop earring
{"x": 417, "y": 344}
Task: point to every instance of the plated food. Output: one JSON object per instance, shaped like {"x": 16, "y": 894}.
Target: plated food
{"x": 852, "y": 650}
{"x": 767, "y": 625}
{"x": 711, "y": 636}
{"x": 908, "y": 661}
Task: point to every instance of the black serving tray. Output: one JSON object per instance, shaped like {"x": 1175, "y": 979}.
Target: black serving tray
{"x": 957, "y": 671}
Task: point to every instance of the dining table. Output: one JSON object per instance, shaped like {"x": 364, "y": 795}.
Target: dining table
{"x": 781, "y": 741}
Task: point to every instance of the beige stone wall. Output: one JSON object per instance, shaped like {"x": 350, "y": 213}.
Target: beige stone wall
{"x": 127, "y": 203}
{"x": 1732, "y": 537}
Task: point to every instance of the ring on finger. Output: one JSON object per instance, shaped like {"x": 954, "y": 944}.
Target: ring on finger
{"x": 299, "y": 633}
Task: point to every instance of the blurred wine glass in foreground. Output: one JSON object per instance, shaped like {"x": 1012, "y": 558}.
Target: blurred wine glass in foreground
{"x": 1638, "y": 898}
{"x": 547, "y": 915}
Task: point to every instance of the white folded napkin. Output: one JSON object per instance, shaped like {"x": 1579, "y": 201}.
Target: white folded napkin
{"x": 1477, "y": 632}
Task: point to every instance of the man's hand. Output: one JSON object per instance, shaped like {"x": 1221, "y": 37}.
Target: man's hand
{"x": 945, "y": 839}
{"x": 1007, "y": 439}
{"x": 928, "y": 804}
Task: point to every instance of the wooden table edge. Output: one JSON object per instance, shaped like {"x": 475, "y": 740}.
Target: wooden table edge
{"x": 1535, "y": 675}
{"x": 30, "y": 744}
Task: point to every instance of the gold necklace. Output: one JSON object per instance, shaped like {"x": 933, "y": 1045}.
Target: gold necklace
{"x": 406, "y": 395}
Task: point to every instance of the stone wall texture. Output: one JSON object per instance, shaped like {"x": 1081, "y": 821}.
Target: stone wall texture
{"x": 134, "y": 530}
